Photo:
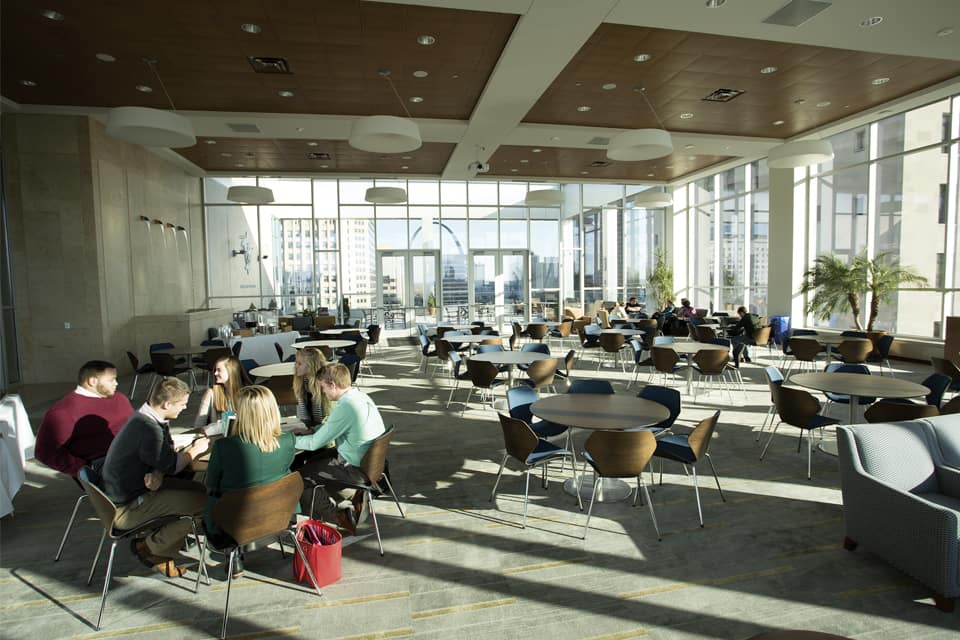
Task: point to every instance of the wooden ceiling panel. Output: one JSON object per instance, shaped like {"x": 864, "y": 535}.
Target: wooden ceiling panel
{"x": 579, "y": 164}
{"x": 257, "y": 155}
{"x": 700, "y": 63}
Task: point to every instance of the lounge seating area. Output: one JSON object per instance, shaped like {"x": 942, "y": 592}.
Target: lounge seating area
{"x": 769, "y": 556}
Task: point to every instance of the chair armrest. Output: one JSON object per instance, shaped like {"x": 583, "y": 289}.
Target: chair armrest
{"x": 949, "y": 479}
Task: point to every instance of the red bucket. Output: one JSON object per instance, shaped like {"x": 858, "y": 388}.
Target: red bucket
{"x": 321, "y": 545}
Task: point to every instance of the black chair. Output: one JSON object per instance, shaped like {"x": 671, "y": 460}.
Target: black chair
{"x": 937, "y": 383}
{"x": 689, "y": 449}
{"x": 881, "y": 355}
{"x": 352, "y": 362}
{"x": 138, "y": 371}
{"x": 279, "y": 349}
{"x": 236, "y": 348}
{"x": 165, "y": 365}
{"x": 590, "y": 386}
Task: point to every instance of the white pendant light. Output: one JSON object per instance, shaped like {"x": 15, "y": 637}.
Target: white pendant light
{"x": 653, "y": 199}
{"x": 640, "y": 144}
{"x": 385, "y": 134}
{"x": 150, "y": 127}
{"x": 800, "y": 153}
{"x": 248, "y": 194}
{"x": 544, "y": 198}
{"x": 385, "y": 195}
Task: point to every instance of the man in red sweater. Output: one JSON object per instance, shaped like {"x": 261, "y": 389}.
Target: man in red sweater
{"x": 79, "y": 428}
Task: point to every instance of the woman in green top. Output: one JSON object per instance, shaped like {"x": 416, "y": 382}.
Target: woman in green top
{"x": 257, "y": 452}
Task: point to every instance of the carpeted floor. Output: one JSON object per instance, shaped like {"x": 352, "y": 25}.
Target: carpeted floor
{"x": 460, "y": 566}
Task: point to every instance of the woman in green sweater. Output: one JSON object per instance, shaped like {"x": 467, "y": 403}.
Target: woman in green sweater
{"x": 257, "y": 452}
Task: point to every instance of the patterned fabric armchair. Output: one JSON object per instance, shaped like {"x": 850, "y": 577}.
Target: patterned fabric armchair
{"x": 901, "y": 497}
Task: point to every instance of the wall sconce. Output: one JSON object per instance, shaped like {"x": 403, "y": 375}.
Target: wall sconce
{"x": 238, "y": 252}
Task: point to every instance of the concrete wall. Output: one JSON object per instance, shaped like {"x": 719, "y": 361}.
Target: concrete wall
{"x": 81, "y": 255}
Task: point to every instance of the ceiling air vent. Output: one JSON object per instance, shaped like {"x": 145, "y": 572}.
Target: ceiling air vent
{"x": 599, "y": 164}
{"x": 267, "y": 64}
{"x": 318, "y": 155}
{"x": 796, "y": 12}
{"x": 241, "y": 127}
{"x": 723, "y": 95}
{"x": 599, "y": 141}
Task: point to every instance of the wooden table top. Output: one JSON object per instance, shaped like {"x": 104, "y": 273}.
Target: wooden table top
{"x": 333, "y": 344}
{"x": 858, "y": 384}
{"x": 626, "y": 332}
{"x": 600, "y": 411}
{"x": 273, "y": 370}
{"x": 470, "y": 338}
{"x": 510, "y": 357}
{"x": 830, "y": 339}
{"x": 691, "y": 347}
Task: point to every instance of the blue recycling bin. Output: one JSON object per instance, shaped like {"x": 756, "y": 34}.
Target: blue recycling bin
{"x": 780, "y": 329}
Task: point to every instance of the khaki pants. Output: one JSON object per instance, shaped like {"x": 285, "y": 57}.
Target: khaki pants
{"x": 175, "y": 497}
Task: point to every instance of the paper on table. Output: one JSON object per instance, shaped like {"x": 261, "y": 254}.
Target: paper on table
{"x": 289, "y": 423}
{"x": 181, "y": 440}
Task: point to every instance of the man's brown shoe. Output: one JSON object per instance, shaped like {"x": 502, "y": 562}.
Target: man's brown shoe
{"x": 166, "y": 566}
{"x": 346, "y": 521}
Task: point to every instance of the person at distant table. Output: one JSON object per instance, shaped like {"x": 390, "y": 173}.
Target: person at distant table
{"x": 633, "y": 307}
{"x": 79, "y": 428}
{"x": 686, "y": 311}
{"x": 742, "y": 332}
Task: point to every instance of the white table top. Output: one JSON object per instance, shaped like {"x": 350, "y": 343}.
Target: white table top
{"x": 600, "y": 411}
{"x": 626, "y": 332}
{"x": 333, "y": 344}
{"x": 830, "y": 339}
{"x": 691, "y": 347}
{"x": 341, "y": 331}
{"x": 858, "y": 384}
{"x": 470, "y": 338}
{"x": 273, "y": 370}
{"x": 510, "y": 357}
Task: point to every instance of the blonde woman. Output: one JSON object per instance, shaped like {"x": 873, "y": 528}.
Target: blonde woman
{"x": 228, "y": 378}
{"x": 312, "y": 405}
{"x": 255, "y": 453}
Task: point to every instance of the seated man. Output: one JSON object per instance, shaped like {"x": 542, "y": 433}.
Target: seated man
{"x": 78, "y": 429}
{"x": 353, "y": 424}
{"x": 633, "y": 306}
{"x": 742, "y": 332}
{"x": 136, "y": 476}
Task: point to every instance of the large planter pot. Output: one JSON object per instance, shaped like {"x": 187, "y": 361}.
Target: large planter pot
{"x": 874, "y": 338}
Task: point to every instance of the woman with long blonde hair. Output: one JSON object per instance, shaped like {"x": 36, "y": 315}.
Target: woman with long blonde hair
{"x": 228, "y": 378}
{"x": 256, "y": 451}
{"x": 312, "y": 405}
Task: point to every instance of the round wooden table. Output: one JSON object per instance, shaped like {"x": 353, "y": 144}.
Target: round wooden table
{"x": 598, "y": 411}
{"x": 626, "y": 332}
{"x": 829, "y": 341}
{"x": 510, "y": 358}
{"x": 333, "y": 344}
{"x": 689, "y": 348}
{"x": 341, "y": 331}
{"x": 275, "y": 369}
{"x": 857, "y": 385}
{"x": 470, "y": 338}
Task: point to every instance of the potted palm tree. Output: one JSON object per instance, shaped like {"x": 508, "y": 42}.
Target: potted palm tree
{"x": 660, "y": 280}
{"x": 431, "y": 304}
{"x": 838, "y": 285}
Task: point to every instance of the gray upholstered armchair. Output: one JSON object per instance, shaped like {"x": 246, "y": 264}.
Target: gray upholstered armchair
{"x": 901, "y": 497}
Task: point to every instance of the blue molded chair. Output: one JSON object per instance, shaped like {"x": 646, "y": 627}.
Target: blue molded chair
{"x": 425, "y": 352}
{"x": 248, "y": 364}
{"x": 352, "y": 362}
{"x": 535, "y": 347}
{"x": 937, "y": 383}
{"x": 669, "y": 398}
{"x": 839, "y": 398}
{"x": 523, "y": 445}
{"x": 638, "y": 360}
{"x": 456, "y": 364}
{"x": 881, "y": 355}
{"x": 519, "y": 400}
{"x": 590, "y": 386}
{"x": 688, "y": 449}
{"x": 800, "y": 409}
{"x": 774, "y": 382}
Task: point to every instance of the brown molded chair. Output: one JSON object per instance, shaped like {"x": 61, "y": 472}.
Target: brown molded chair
{"x": 106, "y": 511}
{"x": 483, "y": 375}
{"x": 761, "y": 337}
{"x": 710, "y": 363}
{"x": 443, "y": 348}
{"x": 248, "y": 514}
{"x": 619, "y": 454}
{"x": 373, "y": 337}
{"x": 800, "y": 409}
{"x": 321, "y": 323}
{"x": 612, "y": 343}
{"x": 689, "y": 449}
{"x": 855, "y": 351}
{"x": 705, "y": 333}
{"x": 949, "y": 369}
{"x": 664, "y": 360}
{"x": 804, "y": 351}
{"x": 884, "y": 411}
{"x": 282, "y": 389}
{"x": 536, "y": 332}
{"x": 541, "y": 373}
{"x": 524, "y": 446}
{"x": 373, "y": 468}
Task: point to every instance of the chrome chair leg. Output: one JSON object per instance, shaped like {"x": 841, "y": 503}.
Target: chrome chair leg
{"x": 526, "y": 497}
{"x": 696, "y": 491}
{"x": 653, "y": 516}
{"x": 499, "y": 474}
{"x": 96, "y": 557}
{"x": 373, "y": 516}
{"x": 715, "y": 476}
{"x": 226, "y": 606}
{"x": 593, "y": 496}
{"x": 394, "y": 495}
{"x": 66, "y": 533}
{"x": 106, "y": 581}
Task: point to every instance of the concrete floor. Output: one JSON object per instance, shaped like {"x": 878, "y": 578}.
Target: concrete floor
{"x": 459, "y": 566}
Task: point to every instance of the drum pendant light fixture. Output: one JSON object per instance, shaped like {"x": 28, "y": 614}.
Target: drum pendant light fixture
{"x": 544, "y": 198}
{"x": 249, "y": 194}
{"x": 635, "y": 145}
{"x": 386, "y": 134}
{"x": 385, "y": 195}
{"x": 151, "y": 127}
{"x": 799, "y": 153}
{"x": 653, "y": 199}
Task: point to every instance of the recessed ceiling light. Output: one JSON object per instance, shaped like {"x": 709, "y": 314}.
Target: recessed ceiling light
{"x": 555, "y": 138}
{"x": 210, "y": 142}
{"x": 879, "y": 81}
{"x": 609, "y": 86}
{"x": 142, "y": 88}
{"x": 650, "y": 175}
{"x": 455, "y": 76}
{"x": 28, "y": 83}
{"x": 324, "y": 166}
{"x": 641, "y": 57}
{"x": 249, "y": 27}
{"x": 50, "y": 14}
{"x": 578, "y": 84}
{"x": 713, "y": 4}
{"x": 406, "y": 157}
{"x": 583, "y": 173}
{"x": 420, "y": 73}
{"x": 767, "y": 70}
{"x": 688, "y": 146}
{"x": 239, "y": 165}
{"x": 871, "y": 22}
{"x": 404, "y": 166}
{"x": 946, "y": 31}
{"x": 686, "y": 115}
{"x": 312, "y": 144}
{"x": 426, "y": 40}
{"x": 583, "y": 107}
{"x": 105, "y": 57}
{"x": 285, "y": 93}
{"x": 691, "y": 157}
{"x": 524, "y": 161}
{"x": 514, "y": 170}
{"x": 825, "y": 103}
{"x": 224, "y": 154}
{"x": 777, "y": 123}
{"x": 536, "y": 150}
{"x": 416, "y": 99}
{"x": 727, "y": 147}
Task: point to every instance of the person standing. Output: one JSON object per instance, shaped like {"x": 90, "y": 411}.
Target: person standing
{"x": 136, "y": 476}
{"x": 78, "y": 429}
{"x": 353, "y": 425}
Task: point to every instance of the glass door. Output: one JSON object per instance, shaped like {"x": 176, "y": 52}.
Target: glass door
{"x": 500, "y": 286}
{"x": 408, "y": 286}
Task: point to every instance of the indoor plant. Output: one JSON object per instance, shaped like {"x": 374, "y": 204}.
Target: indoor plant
{"x": 660, "y": 280}
{"x": 431, "y": 304}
